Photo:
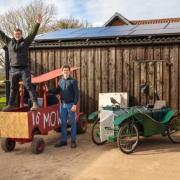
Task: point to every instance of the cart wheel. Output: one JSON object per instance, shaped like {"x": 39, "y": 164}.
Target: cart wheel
{"x": 128, "y": 137}
{"x": 7, "y": 144}
{"x": 95, "y": 133}
{"x": 37, "y": 145}
{"x": 82, "y": 124}
{"x": 174, "y": 130}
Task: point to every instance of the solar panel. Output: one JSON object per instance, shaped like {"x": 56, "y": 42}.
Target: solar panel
{"x": 151, "y": 26}
{"x": 147, "y": 32}
{"x": 55, "y": 34}
{"x": 171, "y": 31}
{"x": 173, "y": 25}
{"x": 121, "y": 28}
{"x": 111, "y": 31}
{"x": 106, "y": 34}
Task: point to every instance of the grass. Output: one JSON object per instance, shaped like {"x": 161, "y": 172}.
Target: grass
{"x": 2, "y": 77}
{"x": 2, "y": 102}
{"x": 2, "y": 88}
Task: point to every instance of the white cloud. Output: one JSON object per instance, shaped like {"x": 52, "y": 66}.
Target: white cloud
{"x": 98, "y": 12}
{"x": 11, "y": 4}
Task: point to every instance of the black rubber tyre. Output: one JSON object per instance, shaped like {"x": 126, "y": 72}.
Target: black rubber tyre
{"x": 37, "y": 145}
{"x": 174, "y": 130}
{"x": 128, "y": 137}
{"x": 95, "y": 133}
{"x": 7, "y": 144}
{"x": 82, "y": 124}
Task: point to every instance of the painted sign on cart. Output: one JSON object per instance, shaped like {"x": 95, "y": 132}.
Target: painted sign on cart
{"x": 45, "y": 119}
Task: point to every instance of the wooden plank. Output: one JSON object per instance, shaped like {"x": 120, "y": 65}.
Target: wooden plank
{"x": 38, "y": 62}
{"x": 150, "y": 74}
{"x": 132, "y": 57}
{"x": 126, "y": 70}
{"x": 51, "y": 63}
{"x": 179, "y": 79}
{"x": 137, "y": 78}
{"x": 166, "y": 73}
{"x": 77, "y": 63}
{"x": 83, "y": 80}
{"x": 97, "y": 75}
{"x": 57, "y": 59}
{"x": 158, "y": 73}
{"x": 14, "y": 125}
{"x": 104, "y": 70}
{"x": 112, "y": 64}
{"x": 63, "y": 57}
{"x": 174, "y": 76}
{"x": 70, "y": 57}
{"x": 91, "y": 82}
{"x": 45, "y": 57}
{"x": 143, "y": 78}
{"x": 32, "y": 56}
{"x": 119, "y": 69}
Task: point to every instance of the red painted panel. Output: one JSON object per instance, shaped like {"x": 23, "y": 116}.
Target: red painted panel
{"x": 45, "y": 119}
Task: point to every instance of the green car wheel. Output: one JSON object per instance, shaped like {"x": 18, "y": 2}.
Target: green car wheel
{"x": 95, "y": 133}
{"x": 128, "y": 137}
{"x": 174, "y": 130}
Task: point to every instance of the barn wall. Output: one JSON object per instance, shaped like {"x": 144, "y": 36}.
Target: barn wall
{"x": 111, "y": 69}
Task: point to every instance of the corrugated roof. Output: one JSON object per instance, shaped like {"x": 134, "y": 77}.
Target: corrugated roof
{"x": 118, "y": 19}
{"x": 155, "y": 21}
{"x": 111, "y": 32}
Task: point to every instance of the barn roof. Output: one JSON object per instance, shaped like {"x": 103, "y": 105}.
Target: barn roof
{"x": 161, "y": 29}
{"x": 119, "y": 19}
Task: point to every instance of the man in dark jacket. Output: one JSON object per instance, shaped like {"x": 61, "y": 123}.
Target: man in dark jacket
{"x": 19, "y": 66}
{"x": 69, "y": 98}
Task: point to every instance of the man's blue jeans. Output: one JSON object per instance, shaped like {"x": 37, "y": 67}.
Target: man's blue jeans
{"x": 65, "y": 111}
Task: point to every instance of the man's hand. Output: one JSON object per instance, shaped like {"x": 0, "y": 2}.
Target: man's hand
{"x": 73, "y": 109}
{"x": 39, "y": 18}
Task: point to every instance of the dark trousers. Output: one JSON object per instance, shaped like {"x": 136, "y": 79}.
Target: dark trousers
{"x": 16, "y": 74}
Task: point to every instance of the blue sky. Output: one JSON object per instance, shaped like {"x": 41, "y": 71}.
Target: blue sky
{"x": 97, "y": 12}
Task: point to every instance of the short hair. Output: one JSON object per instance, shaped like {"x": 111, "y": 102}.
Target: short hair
{"x": 18, "y": 30}
{"x": 66, "y": 66}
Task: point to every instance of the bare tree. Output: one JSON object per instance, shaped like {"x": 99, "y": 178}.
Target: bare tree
{"x": 70, "y": 22}
{"x": 1, "y": 59}
{"x": 24, "y": 18}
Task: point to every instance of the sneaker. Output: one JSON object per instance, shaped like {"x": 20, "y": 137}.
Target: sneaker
{"x": 60, "y": 144}
{"x": 8, "y": 108}
{"x": 73, "y": 144}
{"x": 34, "y": 106}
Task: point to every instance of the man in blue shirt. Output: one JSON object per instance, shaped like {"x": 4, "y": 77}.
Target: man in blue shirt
{"x": 69, "y": 98}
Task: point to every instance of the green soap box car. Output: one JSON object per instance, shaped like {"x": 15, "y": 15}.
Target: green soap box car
{"x": 126, "y": 125}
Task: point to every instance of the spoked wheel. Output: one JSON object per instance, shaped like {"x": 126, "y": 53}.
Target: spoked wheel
{"x": 174, "y": 130}
{"x": 7, "y": 144}
{"x": 37, "y": 145}
{"x": 128, "y": 137}
{"x": 95, "y": 133}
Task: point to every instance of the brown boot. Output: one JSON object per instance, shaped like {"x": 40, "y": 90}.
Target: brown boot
{"x": 34, "y": 106}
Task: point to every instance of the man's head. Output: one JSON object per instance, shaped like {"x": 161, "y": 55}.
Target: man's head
{"x": 66, "y": 71}
{"x": 17, "y": 34}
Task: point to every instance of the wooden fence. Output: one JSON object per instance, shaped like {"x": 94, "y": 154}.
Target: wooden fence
{"x": 110, "y": 69}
